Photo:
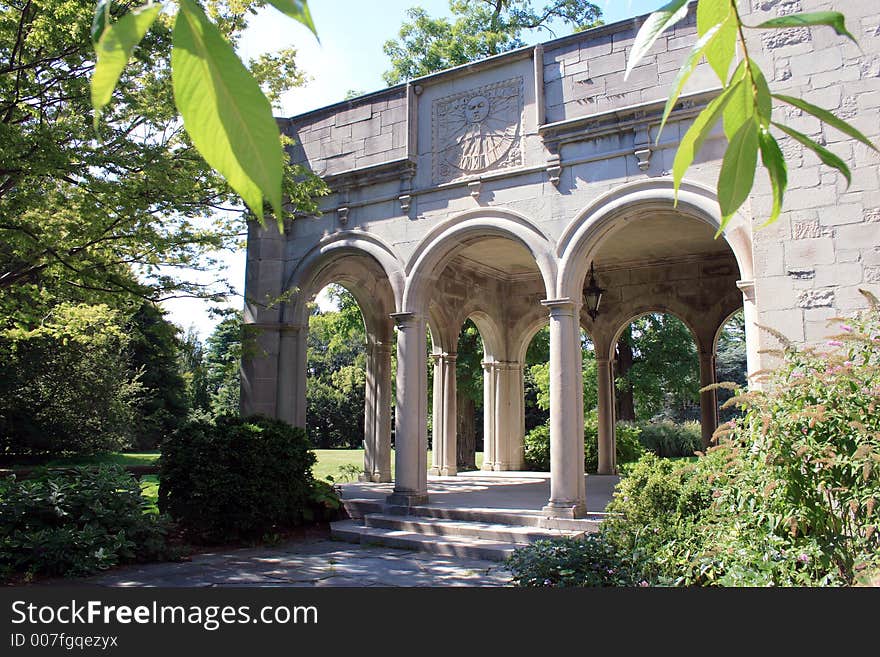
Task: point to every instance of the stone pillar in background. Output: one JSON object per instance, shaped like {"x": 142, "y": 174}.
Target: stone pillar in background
{"x": 377, "y": 413}
{"x": 567, "y": 497}
{"x": 444, "y": 417}
{"x": 607, "y": 445}
{"x": 509, "y": 416}
{"x": 708, "y": 398}
{"x": 753, "y": 333}
{"x": 490, "y": 442}
{"x": 292, "y": 366}
{"x": 411, "y": 436}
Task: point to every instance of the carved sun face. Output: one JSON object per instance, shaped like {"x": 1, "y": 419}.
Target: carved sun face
{"x": 478, "y": 130}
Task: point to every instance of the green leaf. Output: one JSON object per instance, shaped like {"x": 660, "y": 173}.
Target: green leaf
{"x": 833, "y": 19}
{"x": 224, "y": 111}
{"x": 101, "y": 20}
{"x": 824, "y": 154}
{"x": 719, "y": 53}
{"x": 826, "y": 117}
{"x": 114, "y": 49}
{"x": 697, "y": 133}
{"x": 685, "y": 72}
{"x": 774, "y": 162}
{"x": 298, "y": 10}
{"x": 737, "y": 171}
{"x": 652, "y": 28}
{"x": 742, "y": 103}
{"x": 764, "y": 102}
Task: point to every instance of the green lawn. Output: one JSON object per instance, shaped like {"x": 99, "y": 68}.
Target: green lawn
{"x": 329, "y": 463}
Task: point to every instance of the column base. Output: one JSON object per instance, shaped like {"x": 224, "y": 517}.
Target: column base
{"x": 406, "y": 499}
{"x": 606, "y": 471}
{"x": 488, "y": 467}
{"x": 448, "y": 472}
{"x": 434, "y": 471}
{"x": 375, "y": 478}
{"x": 568, "y": 510}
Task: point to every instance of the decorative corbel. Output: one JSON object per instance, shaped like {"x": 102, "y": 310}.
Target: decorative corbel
{"x": 642, "y": 149}
{"x": 342, "y": 215}
{"x": 474, "y": 188}
{"x": 405, "y": 202}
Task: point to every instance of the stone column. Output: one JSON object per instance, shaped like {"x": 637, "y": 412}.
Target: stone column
{"x": 292, "y": 366}
{"x": 490, "y": 444}
{"x": 444, "y": 457}
{"x": 509, "y": 416}
{"x": 411, "y": 435}
{"x": 438, "y": 418}
{"x": 377, "y": 414}
{"x": 567, "y": 499}
{"x": 753, "y": 333}
{"x": 449, "y": 466}
{"x": 607, "y": 446}
{"x": 708, "y": 398}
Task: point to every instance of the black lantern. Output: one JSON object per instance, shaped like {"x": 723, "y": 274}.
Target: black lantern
{"x": 593, "y": 295}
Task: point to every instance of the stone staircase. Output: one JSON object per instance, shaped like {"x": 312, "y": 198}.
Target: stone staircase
{"x": 490, "y": 534}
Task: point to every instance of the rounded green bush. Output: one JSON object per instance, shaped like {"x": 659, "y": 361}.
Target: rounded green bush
{"x": 236, "y": 477}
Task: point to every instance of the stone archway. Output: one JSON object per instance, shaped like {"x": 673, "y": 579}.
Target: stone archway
{"x": 652, "y": 255}
{"x": 369, "y": 270}
{"x": 466, "y": 268}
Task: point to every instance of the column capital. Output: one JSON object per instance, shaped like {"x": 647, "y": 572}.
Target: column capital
{"x": 489, "y": 364}
{"x": 405, "y": 320}
{"x": 747, "y": 288}
{"x": 450, "y": 357}
{"x": 565, "y": 306}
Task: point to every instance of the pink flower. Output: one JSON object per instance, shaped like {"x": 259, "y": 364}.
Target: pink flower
{"x": 643, "y": 583}
{"x": 804, "y": 558}
{"x": 846, "y": 327}
{"x": 835, "y": 343}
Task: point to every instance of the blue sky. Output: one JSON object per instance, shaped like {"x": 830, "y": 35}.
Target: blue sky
{"x": 349, "y": 57}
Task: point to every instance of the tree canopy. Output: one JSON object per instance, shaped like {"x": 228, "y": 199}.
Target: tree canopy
{"x": 478, "y": 29}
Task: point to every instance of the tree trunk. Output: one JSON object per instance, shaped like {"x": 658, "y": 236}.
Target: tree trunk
{"x": 626, "y": 409}
{"x": 466, "y": 439}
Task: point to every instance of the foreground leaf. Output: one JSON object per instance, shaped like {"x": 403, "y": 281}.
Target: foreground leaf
{"x": 685, "y": 71}
{"x": 826, "y": 117}
{"x": 774, "y": 162}
{"x": 763, "y": 100}
{"x": 652, "y": 28}
{"x": 738, "y": 171}
{"x": 824, "y": 154}
{"x": 833, "y": 19}
{"x": 741, "y": 106}
{"x": 100, "y": 21}
{"x": 224, "y": 111}
{"x": 697, "y": 133}
{"x": 113, "y": 51}
{"x": 719, "y": 53}
{"x": 298, "y": 10}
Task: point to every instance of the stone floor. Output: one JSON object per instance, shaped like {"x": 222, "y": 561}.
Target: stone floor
{"x": 314, "y": 560}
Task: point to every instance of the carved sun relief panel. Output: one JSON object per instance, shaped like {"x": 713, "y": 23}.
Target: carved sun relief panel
{"x": 478, "y": 130}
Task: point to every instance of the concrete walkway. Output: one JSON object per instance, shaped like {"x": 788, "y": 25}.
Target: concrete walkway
{"x": 315, "y": 560}
{"x": 308, "y": 562}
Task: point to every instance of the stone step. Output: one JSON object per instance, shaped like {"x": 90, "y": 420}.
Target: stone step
{"x": 450, "y": 546}
{"x": 501, "y": 533}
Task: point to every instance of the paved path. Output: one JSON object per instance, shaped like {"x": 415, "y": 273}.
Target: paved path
{"x": 308, "y": 562}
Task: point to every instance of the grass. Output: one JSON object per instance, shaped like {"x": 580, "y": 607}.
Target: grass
{"x": 337, "y": 463}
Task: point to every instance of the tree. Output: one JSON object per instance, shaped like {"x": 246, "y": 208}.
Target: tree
{"x": 154, "y": 353}
{"x": 469, "y": 394}
{"x": 85, "y": 219}
{"x": 730, "y": 361}
{"x": 336, "y": 373}
{"x": 225, "y": 113}
{"x": 67, "y": 385}
{"x": 479, "y": 29}
{"x": 191, "y": 362}
{"x": 224, "y": 348}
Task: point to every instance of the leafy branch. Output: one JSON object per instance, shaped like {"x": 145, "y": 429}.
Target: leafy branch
{"x": 745, "y": 104}
{"x": 225, "y": 113}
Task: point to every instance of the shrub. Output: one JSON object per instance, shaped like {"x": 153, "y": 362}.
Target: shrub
{"x": 788, "y": 498}
{"x": 75, "y": 522}
{"x": 587, "y": 561}
{"x": 237, "y": 478}
{"x": 537, "y": 444}
{"x": 671, "y": 439}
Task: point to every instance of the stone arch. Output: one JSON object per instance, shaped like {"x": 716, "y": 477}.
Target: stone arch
{"x": 587, "y": 231}
{"x": 362, "y": 263}
{"x": 636, "y": 312}
{"x": 440, "y": 244}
